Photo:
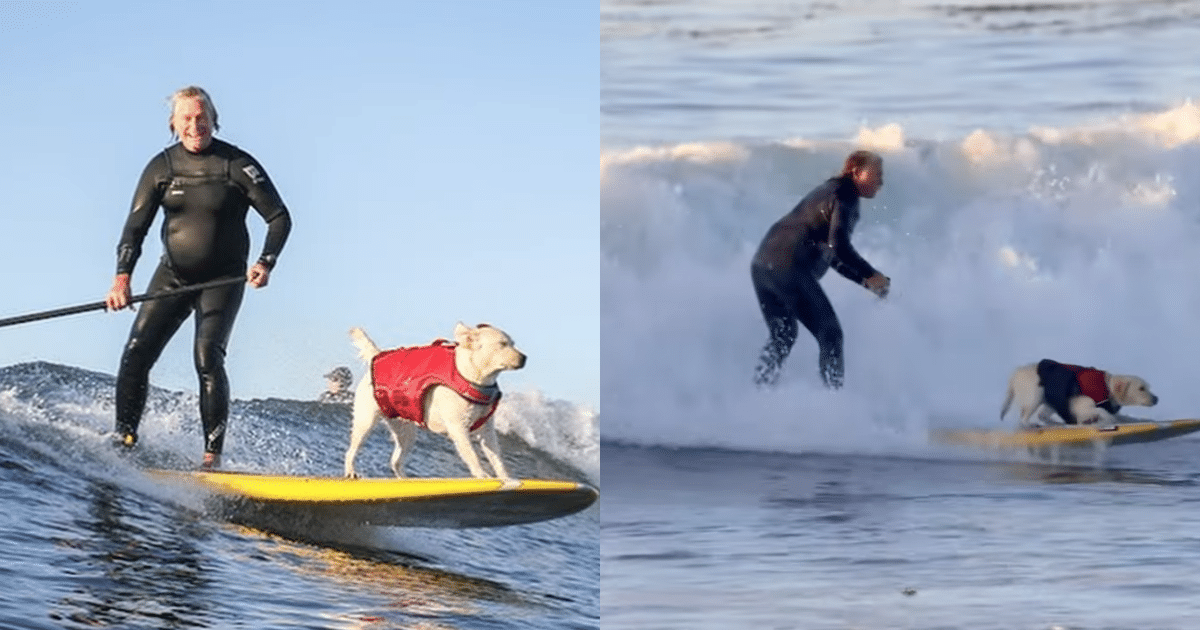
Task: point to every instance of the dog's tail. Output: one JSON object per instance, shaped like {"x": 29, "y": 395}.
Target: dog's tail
{"x": 366, "y": 348}
{"x": 1008, "y": 398}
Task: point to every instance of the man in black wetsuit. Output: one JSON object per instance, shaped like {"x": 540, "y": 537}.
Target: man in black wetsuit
{"x": 796, "y": 253}
{"x": 205, "y": 187}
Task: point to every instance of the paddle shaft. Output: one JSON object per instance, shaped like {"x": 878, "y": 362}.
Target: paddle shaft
{"x": 96, "y": 306}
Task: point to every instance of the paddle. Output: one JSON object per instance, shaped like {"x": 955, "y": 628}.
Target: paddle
{"x": 96, "y": 306}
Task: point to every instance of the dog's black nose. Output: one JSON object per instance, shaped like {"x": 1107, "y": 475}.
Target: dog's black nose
{"x": 521, "y": 363}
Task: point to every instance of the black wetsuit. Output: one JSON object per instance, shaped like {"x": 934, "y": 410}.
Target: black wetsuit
{"x": 793, "y": 256}
{"x": 205, "y": 197}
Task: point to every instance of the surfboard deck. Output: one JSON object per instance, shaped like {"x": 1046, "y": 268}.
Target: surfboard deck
{"x": 1124, "y": 433}
{"x": 423, "y": 502}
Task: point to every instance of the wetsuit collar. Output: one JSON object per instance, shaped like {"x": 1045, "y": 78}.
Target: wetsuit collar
{"x": 847, "y": 189}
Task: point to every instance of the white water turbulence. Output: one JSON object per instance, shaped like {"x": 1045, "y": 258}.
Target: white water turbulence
{"x": 1075, "y": 243}
{"x": 566, "y": 431}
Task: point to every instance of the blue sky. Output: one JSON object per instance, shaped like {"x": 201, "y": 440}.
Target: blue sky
{"x": 438, "y": 159}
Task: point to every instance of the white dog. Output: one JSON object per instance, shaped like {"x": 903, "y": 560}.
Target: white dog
{"x": 449, "y": 388}
{"x": 1077, "y": 394}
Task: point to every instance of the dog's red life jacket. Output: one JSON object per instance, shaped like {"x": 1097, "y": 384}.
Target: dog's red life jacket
{"x": 401, "y": 377}
{"x": 1091, "y": 383}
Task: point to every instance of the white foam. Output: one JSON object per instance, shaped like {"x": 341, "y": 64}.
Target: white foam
{"x": 567, "y": 431}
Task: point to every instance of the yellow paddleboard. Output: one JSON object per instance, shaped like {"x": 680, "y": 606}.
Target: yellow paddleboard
{"x": 1125, "y": 433}
{"x": 466, "y": 502}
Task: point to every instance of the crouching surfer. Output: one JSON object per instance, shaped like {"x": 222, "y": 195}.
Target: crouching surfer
{"x": 797, "y": 251}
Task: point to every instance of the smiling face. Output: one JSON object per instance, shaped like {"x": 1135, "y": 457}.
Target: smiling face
{"x": 192, "y": 123}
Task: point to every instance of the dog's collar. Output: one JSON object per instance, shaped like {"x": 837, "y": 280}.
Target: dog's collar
{"x": 479, "y": 394}
{"x": 489, "y": 391}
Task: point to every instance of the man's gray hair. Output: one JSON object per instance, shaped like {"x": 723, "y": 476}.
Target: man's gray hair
{"x": 192, "y": 91}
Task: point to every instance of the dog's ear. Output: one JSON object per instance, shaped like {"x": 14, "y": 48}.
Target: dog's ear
{"x": 463, "y": 335}
{"x": 1121, "y": 388}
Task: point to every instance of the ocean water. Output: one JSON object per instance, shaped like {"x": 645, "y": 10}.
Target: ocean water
{"x": 1041, "y": 199}
{"x": 89, "y": 541}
